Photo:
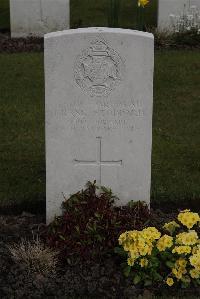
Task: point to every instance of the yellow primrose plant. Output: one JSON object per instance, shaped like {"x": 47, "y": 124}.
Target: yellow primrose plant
{"x": 169, "y": 257}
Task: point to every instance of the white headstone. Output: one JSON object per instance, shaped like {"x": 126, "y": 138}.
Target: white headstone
{"x": 172, "y": 7}
{"x": 37, "y": 17}
{"x": 99, "y": 96}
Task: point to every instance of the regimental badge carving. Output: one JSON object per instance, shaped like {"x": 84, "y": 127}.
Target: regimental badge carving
{"x": 99, "y": 69}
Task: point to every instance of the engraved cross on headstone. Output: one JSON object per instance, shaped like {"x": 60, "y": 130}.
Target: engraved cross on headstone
{"x": 99, "y": 162}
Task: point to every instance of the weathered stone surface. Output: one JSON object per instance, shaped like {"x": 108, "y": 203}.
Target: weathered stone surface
{"x": 99, "y": 96}
{"x": 37, "y": 17}
{"x": 176, "y": 7}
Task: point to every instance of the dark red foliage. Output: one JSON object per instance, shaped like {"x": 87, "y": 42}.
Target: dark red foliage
{"x": 13, "y": 45}
{"x": 91, "y": 223}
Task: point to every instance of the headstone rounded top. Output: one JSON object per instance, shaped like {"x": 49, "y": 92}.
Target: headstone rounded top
{"x": 99, "y": 30}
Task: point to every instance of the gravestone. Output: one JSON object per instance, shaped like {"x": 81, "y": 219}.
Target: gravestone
{"x": 99, "y": 96}
{"x": 37, "y": 17}
{"x": 175, "y": 7}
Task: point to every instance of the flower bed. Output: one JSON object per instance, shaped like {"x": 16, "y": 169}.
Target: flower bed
{"x": 30, "y": 268}
{"x": 172, "y": 257}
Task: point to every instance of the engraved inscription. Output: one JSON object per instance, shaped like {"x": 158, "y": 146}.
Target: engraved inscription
{"x": 99, "y": 69}
{"x": 105, "y": 116}
{"x": 99, "y": 161}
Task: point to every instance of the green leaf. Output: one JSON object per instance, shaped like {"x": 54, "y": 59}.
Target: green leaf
{"x": 186, "y": 279}
{"x": 169, "y": 264}
{"x": 106, "y": 190}
{"x": 136, "y": 279}
{"x": 197, "y": 281}
{"x": 120, "y": 251}
{"x": 184, "y": 285}
{"x": 61, "y": 237}
{"x": 100, "y": 238}
{"x": 148, "y": 283}
{"x": 157, "y": 276}
{"x": 127, "y": 270}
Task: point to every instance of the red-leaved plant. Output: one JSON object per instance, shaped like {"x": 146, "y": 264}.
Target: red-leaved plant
{"x": 91, "y": 224}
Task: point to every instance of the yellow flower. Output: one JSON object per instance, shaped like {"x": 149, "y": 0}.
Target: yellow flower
{"x": 164, "y": 242}
{"x": 182, "y": 249}
{"x": 150, "y": 233}
{"x": 130, "y": 261}
{"x": 194, "y": 273}
{"x": 127, "y": 246}
{"x": 122, "y": 238}
{"x": 179, "y": 271}
{"x": 144, "y": 250}
{"x": 195, "y": 261}
{"x": 187, "y": 218}
{"x": 133, "y": 234}
{"x": 142, "y": 3}
{"x": 196, "y": 249}
{"x": 169, "y": 281}
{"x": 143, "y": 262}
{"x": 133, "y": 253}
{"x": 181, "y": 263}
{"x": 190, "y": 238}
{"x": 171, "y": 226}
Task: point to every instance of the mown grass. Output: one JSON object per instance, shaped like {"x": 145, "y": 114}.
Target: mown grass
{"x": 22, "y": 151}
{"x": 176, "y": 127}
{"x": 176, "y": 138}
{"x": 87, "y": 13}
{"x": 4, "y": 14}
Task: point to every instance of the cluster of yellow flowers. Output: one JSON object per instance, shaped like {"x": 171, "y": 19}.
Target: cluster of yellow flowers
{"x": 178, "y": 271}
{"x": 184, "y": 246}
{"x": 195, "y": 262}
{"x": 179, "y": 268}
{"x": 164, "y": 242}
{"x": 187, "y": 238}
{"x": 139, "y": 244}
{"x": 189, "y": 219}
{"x": 182, "y": 249}
{"x": 142, "y": 3}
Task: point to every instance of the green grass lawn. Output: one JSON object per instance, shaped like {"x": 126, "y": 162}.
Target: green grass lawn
{"x": 86, "y": 13}
{"x": 4, "y": 14}
{"x": 22, "y": 127}
{"x": 176, "y": 127}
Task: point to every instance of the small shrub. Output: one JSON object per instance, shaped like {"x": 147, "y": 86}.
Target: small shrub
{"x": 91, "y": 223}
{"x": 35, "y": 256}
{"x": 166, "y": 39}
{"x": 163, "y": 38}
{"x": 170, "y": 258}
{"x": 189, "y": 38}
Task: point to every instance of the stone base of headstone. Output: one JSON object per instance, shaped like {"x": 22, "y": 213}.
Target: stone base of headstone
{"x": 36, "y": 17}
